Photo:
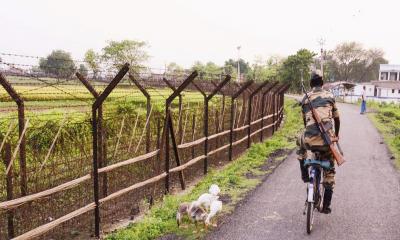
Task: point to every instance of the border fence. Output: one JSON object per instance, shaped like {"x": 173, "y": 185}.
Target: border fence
{"x": 78, "y": 178}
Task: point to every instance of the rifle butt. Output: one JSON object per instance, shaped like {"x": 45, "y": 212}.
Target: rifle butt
{"x": 336, "y": 155}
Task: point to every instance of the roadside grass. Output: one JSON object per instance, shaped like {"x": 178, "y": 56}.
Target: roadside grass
{"x": 386, "y": 118}
{"x": 160, "y": 220}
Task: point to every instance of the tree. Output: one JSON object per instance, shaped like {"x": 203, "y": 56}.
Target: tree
{"x": 58, "y": 63}
{"x": 349, "y": 61}
{"x": 117, "y": 53}
{"x": 262, "y": 70}
{"x": 375, "y": 59}
{"x": 229, "y": 69}
{"x": 294, "y": 66}
{"x": 198, "y": 66}
{"x": 174, "y": 69}
{"x": 346, "y": 56}
{"x": 83, "y": 70}
{"x": 231, "y": 66}
{"x": 212, "y": 68}
{"x": 93, "y": 60}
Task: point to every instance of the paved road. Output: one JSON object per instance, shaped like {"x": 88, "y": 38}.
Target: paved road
{"x": 366, "y": 202}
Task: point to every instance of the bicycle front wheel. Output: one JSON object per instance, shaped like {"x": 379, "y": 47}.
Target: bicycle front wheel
{"x": 310, "y": 216}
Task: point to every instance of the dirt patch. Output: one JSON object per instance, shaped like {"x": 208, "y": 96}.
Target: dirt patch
{"x": 225, "y": 198}
{"x": 271, "y": 162}
{"x": 250, "y": 175}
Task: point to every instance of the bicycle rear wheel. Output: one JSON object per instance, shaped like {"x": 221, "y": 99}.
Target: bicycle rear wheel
{"x": 315, "y": 201}
{"x": 310, "y": 216}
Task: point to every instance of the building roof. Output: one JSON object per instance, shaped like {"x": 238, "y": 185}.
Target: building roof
{"x": 387, "y": 84}
{"x": 346, "y": 85}
{"x": 389, "y": 67}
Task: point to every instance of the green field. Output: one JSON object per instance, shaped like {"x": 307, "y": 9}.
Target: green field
{"x": 67, "y": 108}
{"x": 46, "y": 101}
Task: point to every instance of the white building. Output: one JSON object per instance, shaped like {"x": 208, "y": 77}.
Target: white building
{"x": 379, "y": 91}
{"x": 386, "y": 89}
{"x": 389, "y": 72}
{"x": 339, "y": 88}
{"x": 370, "y": 89}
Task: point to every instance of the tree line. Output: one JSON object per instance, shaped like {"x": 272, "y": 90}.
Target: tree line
{"x": 348, "y": 61}
{"x": 116, "y": 53}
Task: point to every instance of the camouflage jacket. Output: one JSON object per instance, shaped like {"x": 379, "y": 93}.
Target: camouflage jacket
{"x": 324, "y": 104}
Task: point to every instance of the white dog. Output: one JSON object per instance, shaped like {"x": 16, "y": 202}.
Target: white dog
{"x": 216, "y": 207}
{"x": 206, "y": 199}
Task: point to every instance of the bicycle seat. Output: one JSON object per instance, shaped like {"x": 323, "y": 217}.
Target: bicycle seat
{"x": 325, "y": 164}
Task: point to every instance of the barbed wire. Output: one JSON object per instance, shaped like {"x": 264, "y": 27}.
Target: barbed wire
{"x": 52, "y": 85}
{"x": 108, "y": 65}
{"x": 35, "y": 67}
{"x": 150, "y": 80}
{"x": 38, "y": 57}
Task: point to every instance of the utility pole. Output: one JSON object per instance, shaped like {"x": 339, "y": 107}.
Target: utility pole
{"x": 301, "y": 78}
{"x": 238, "y": 64}
{"x": 321, "y": 43}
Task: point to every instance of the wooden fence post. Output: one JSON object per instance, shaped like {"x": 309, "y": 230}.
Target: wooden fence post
{"x": 95, "y": 134}
{"x": 102, "y": 140}
{"x": 9, "y": 187}
{"x": 21, "y": 126}
{"x": 193, "y": 132}
{"x": 168, "y": 126}
{"x": 233, "y": 97}
{"x": 252, "y": 94}
{"x": 207, "y": 99}
{"x": 263, "y": 100}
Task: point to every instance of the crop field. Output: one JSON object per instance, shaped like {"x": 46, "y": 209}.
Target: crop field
{"x": 57, "y": 152}
{"x": 75, "y": 98}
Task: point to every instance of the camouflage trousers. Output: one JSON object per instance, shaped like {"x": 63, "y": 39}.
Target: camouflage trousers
{"x": 304, "y": 150}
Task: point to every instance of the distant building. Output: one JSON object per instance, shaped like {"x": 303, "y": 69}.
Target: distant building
{"x": 389, "y": 72}
{"x": 379, "y": 89}
{"x": 12, "y": 70}
{"x": 385, "y": 89}
{"x": 339, "y": 88}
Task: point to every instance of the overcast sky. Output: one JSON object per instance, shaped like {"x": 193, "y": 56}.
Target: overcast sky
{"x": 183, "y": 31}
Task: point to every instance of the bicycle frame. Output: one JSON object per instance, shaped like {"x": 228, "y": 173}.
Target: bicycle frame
{"x": 315, "y": 173}
{"x": 314, "y": 190}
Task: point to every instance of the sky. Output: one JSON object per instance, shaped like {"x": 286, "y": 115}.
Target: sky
{"x": 184, "y": 31}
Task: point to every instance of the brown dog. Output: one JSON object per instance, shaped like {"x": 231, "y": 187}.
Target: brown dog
{"x": 183, "y": 209}
{"x": 195, "y": 213}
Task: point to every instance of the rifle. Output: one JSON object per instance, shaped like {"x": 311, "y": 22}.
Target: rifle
{"x": 333, "y": 143}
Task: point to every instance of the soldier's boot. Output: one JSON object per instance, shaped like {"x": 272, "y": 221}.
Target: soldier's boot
{"x": 326, "y": 207}
{"x": 304, "y": 172}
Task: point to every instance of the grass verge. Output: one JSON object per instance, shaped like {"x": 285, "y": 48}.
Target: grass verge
{"x": 386, "y": 118}
{"x": 160, "y": 220}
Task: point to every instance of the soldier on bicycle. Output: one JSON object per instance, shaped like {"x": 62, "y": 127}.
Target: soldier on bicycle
{"x": 310, "y": 139}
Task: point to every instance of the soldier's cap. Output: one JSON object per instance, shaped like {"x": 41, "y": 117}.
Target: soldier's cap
{"x": 316, "y": 74}
{"x": 316, "y": 79}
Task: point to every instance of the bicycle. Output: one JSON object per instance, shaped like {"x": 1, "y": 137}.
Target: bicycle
{"x": 315, "y": 188}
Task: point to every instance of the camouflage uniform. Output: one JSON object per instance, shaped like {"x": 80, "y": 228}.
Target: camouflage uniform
{"x": 324, "y": 103}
